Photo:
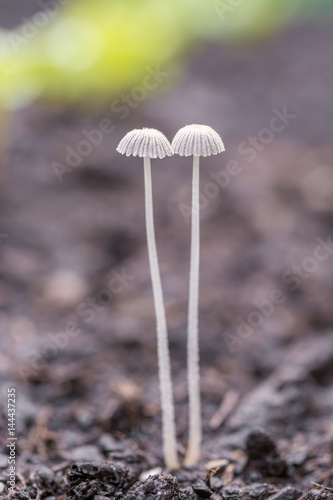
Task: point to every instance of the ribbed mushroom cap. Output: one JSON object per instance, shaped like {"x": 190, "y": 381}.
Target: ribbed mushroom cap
{"x": 197, "y": 140}
{"x": 145, "y": 142}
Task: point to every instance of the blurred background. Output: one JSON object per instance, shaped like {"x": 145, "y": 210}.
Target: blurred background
{"x": 78, "y": 326}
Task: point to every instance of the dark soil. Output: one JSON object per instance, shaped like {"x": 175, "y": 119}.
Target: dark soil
{"x": 78, "y": 328}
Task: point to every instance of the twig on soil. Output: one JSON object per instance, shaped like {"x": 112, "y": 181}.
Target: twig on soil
{"x": 210, "y": 474}
{"x": 21, "y": 478}
{"x": 39, "y": 434}
{"x": 228, "y": 404}
{"x": 323, "y": 487}
{"x": 228, "y": 475}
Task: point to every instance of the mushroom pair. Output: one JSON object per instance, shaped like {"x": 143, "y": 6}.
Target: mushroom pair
{"x": 196, "y": 140}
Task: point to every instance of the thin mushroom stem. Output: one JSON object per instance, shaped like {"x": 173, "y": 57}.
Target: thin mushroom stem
{"x": 193, "y": 370}
{"x": 168, "y": 413}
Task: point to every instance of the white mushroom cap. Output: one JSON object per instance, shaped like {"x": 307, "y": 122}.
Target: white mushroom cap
{"x": 145, "y": 142}
{"x": 197, "y": 140}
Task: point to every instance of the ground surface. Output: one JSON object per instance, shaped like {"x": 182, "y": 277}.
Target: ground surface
{"x": 78, "y": 342}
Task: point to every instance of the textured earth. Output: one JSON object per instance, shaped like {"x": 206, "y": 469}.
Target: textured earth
{"x": 78, "y": 329}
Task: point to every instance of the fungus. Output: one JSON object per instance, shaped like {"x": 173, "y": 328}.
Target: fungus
{"x": 150, "y": 143}
{"x": 196, "y": 140}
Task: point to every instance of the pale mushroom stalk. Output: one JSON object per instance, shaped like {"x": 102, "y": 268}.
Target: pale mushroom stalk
{"x": 193, "y": 373}
{"x": 150, "y": 143}
{"x": 196, "y": 140}
{"x": 168, "y": 416}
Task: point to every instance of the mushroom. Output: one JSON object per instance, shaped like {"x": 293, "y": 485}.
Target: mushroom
{"x": 150, "y": 143}
{"x": 196, "y": 140}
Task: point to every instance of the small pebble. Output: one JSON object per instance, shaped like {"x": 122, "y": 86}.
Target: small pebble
{"x": 215, "y": 483}
{"x": 298, "y": 458}
{"x": 22, "y": 496}
{"x": 287, "y": 494}
{"x": 254, "y": 476}
{"x": 201, "y": 489}
{"x": 152, "y": 472}
{"x": 108, "y": 443}
{"x": 231, "y": 493}
{"x": 164, "y": 487}
{"x": 259, "y": 444}
{"x": 317, "y": 494}
{"x": 188, "y": 494}
{"x": 63, "y": 289}
{"x": 222, "y": 463}
{"x": 3, "y": 461}
{"x": 45, "y": 473}
{"x": 84, "y": 418}
{"x": 89, "y": 453}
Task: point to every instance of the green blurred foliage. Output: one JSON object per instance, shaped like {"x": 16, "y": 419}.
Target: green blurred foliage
{"x": 316, "y": 5}
{"x": 93, "y": 50}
